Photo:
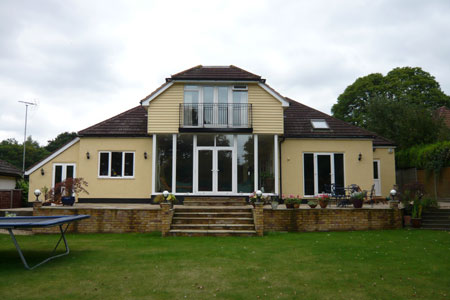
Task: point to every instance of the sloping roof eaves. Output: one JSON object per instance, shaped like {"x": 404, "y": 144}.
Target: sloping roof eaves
{"x": 7, "y": 169}
{"x": 297, "y": 124}
{"x": 216, "y": 73}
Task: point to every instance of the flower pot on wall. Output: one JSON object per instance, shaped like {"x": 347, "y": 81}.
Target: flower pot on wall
{"x": 68, "y": 201}
{"x": 416, "y": 222}
{"x": 323, "y": 204}
{"x": 357, "y": 203}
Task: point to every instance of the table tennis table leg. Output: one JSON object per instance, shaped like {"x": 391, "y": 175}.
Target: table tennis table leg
{"x": 22, "y": 257}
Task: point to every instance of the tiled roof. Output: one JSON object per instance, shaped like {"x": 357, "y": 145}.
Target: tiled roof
{"x": 297, "y": 123}
{"x": 8, "y": 169}
{"x": 444, "y": 113}
{"x": 216, "y": 73}
{"x": 133, "y": 122}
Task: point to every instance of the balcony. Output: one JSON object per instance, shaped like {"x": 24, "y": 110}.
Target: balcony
{"x": 215, "y": 117}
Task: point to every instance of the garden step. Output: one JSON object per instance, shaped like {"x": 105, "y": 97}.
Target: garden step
{"x": 211, "y": 220}
{"x": 214, "y": 201}
{"x": 214, "y": 209}
{"x": 193, "y": 232}
{"x": 214, "y": 226}
{"x": 210, "y": 214}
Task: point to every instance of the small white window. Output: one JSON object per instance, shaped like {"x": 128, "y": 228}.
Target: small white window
{"x": 319, "y": 124}
{"x": 116, "y": 164}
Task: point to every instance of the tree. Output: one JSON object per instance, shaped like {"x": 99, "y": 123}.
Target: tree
{"x": 60, "y": 140}
{"x": 11, "y": 151}
{"x": 397, "y": 106}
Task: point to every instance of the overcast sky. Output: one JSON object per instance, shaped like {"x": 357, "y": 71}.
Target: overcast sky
{"x": 85, "y": 61}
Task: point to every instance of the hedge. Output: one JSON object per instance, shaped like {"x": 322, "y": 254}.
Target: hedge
{"x": 431, "y": 157}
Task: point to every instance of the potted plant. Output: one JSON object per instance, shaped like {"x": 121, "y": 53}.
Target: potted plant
{"x": 297, "y": 202}
{"x": 323, "y": 200}
{"x": 416, "y": 213}
{"x": 357, "y": 199}
{"x": 274, "y": 203}
{"x": 170, "y": 199}
{"x": 291, "y": 202}
{"x": 312, "y": 203}
{"x": 65, "y": 191}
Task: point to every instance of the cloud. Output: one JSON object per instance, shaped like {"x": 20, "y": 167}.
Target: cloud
{"x": 85, "y": 61}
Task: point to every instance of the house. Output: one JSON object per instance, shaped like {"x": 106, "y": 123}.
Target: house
{"x": 218, "y": 130}
{"x": 10, "y": 197}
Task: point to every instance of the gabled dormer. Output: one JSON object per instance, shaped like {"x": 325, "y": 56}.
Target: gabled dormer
{"x": 215, "y": 99}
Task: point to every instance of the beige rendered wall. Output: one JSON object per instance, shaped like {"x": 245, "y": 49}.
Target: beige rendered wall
{"x": 357, "y": 172}
{"x": 387, "y": 169}
{"x": 163, "y": 111}
{"x": 38, "y": 181}
{"x": 137, "y": 187}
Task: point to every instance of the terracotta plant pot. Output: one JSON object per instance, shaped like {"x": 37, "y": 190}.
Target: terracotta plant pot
{"x": 312, "y": 205}
{"x": 407, "y": 220}
{"x": 289, "y": 205}
{"x": 323, "y": 204}
{"x": 416, "y": 223}
{"x": 357, "y": 203}
{"x": 296, "y": 205}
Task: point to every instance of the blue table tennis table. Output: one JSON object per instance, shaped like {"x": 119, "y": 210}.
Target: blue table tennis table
{"x": 11, "y": 223}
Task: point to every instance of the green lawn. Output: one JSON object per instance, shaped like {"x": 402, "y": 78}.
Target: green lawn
{"x": 393, "y": 264}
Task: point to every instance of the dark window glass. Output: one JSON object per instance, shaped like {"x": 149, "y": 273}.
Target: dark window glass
{"x": 129, "y": 162}
{"x": 58, "y": 174}
{"x": 266, "y": 163}
{"x": 164, "y": 162}
{"x": 225, "y": 170}
{"x": 308, "y": 174}
{"x": 245, "y": 163}
{"x": 116, "y": 164}
{"x": 324, "y": 173}
{"x": 224, "y": 140}
{"x": 205, "y": 175}
{"x": 205, "y": 140}
{"x": 69, "y": 172}
{"x": 104, "y": 164}
{"x": 339, "y": 170}
{"x": 184, "y": 163}
{"x": 375, "y": 170}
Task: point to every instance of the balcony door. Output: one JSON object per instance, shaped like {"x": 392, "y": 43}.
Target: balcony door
{"x": 215, "y": 170}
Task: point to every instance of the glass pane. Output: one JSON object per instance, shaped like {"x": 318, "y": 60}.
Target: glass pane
{"x": 208, "y": 105}
{"x": 308, "y": 173}
{"x": 240, "y": 108}
{"x": 129, "y": 162}
{"x": 223, "y": 106}
{"x": 375, "y": 170}
{"x": 266, "y": 163}
{"x": 205, "y": 170}
{"x": 324, "y": 172}
{"x": 245, "y": 163}
{"x": 104, "y": 164}
{"x": 225, "y": 170}
{"x": 205, "y": 140}
{"x": 184, "y": 163}
{"x": 224, "y": 140}
{"x": 116, "y": 164}
{"x": 163, "y": 162}
{"x": 58, "y": 174}
{"x": 191, "y": 108}
{"x": 339, "y": 170}
{"x": 69, "y": 171}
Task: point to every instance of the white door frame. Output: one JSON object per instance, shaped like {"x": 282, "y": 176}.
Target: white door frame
{"x": 215, "y": 150}
{"x": 377, "y": 181}
{"x": 316, "y": 170}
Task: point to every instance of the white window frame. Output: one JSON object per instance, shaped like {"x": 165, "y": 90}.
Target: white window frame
{"x": 110, "y": 162}
{"x": 231, "y": 89}
{"x": 315, "y": 170}
{"x": 63, "y": 171}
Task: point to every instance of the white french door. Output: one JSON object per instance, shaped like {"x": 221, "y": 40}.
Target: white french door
{"x": 376, "y": 177}
{"x": 215, "y": 170}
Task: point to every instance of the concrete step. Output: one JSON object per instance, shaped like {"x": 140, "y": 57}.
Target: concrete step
{"x": 211, "y": 220}
{"x": 194, "y": 232}
{"x": 214, "y": 201}
{"x": 214, "y": 226}
{"x": 209, "y": 214}
{"x": 213, "y": 209}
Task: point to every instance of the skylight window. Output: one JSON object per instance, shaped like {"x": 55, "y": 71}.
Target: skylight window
{"x": 319, "y": 124}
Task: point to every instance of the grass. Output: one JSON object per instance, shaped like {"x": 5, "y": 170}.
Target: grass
{"x": 393, "y": 264}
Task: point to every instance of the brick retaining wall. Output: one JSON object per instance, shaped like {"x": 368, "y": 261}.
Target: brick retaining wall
{"x": 5, "y": 198}
{"x": 104, "y": 220}
{"x": 331, "y": 219}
